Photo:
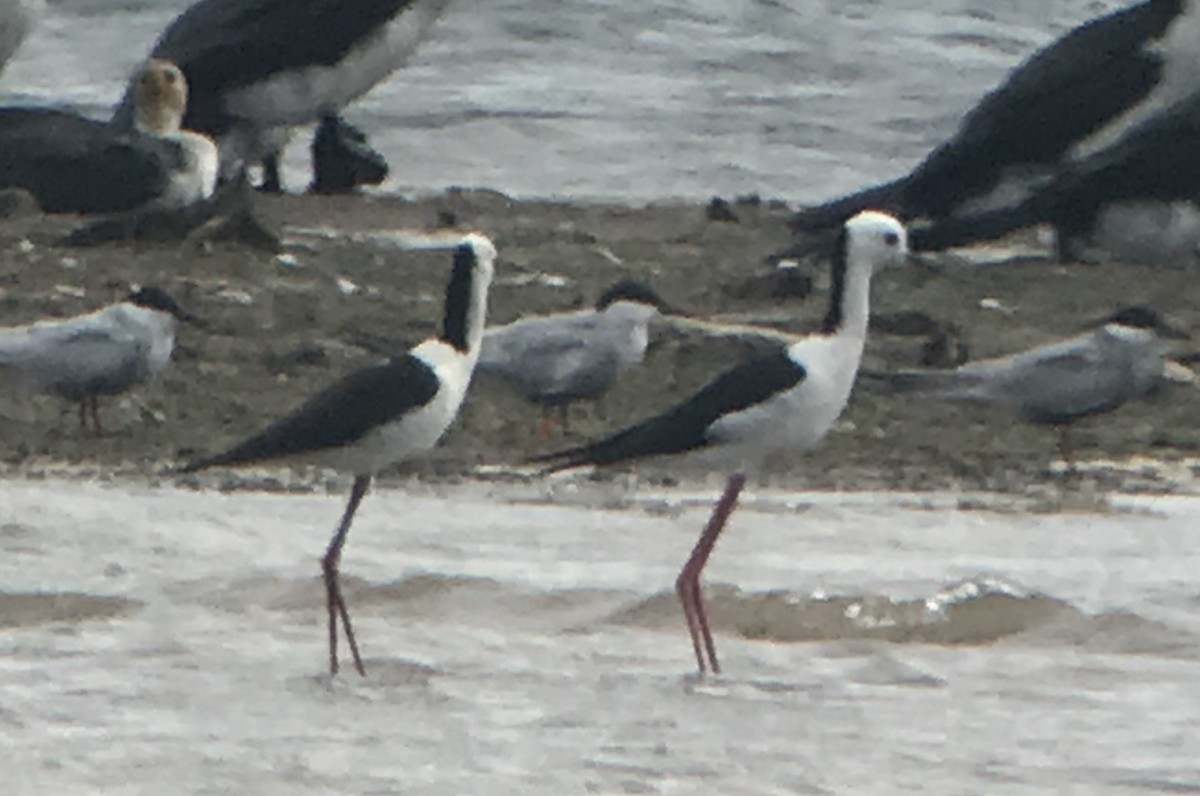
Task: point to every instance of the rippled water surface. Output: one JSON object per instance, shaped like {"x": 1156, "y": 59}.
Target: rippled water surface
{"x": 588, "y": 98}
{"x": 154, "y": 640}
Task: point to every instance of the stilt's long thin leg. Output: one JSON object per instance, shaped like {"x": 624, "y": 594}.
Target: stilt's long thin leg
{"x": 333, "y": 590}
{"x": 688, "y": 582}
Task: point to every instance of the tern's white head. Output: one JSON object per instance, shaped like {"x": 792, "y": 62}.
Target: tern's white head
{"x": 631, "y": 301}
{"x": 1138, "y": 322}
{"x": 160, "y": 97}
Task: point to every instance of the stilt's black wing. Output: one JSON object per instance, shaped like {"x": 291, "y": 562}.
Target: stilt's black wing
{"x": 339, "y": 415}
{"x": 686, "y": 426}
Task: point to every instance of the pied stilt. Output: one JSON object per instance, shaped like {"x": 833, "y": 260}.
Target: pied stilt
{"x": 786, "y": 400}
{"x": 384, "y": 414}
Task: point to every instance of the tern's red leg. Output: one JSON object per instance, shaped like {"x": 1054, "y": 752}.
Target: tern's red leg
{"x": 547, "y": 425}
{"x": 688, "y": 582}
{"x": 94, "y": 400}
{"x": 333, "y": 590}
{"x": 1064, "y": 448}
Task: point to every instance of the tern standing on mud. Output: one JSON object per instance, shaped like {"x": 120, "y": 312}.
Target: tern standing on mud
{"x": 384, "y": 414}
{"x": 102, "y": 353}
{"x": 1058, "y": 383}
{"x": 555, "y": 360}
{"x": 784, "y": 401}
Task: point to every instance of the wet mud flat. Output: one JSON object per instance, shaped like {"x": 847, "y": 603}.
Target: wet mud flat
{"x": 282, "y": 325}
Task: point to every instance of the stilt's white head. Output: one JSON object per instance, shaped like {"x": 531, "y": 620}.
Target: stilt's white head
{"x": 876, "y": 238}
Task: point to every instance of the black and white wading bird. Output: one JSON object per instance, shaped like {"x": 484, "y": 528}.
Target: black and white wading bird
{"x": 783, "y": 401}
{"x": 106, "y": 352}
{"x": 72, "y": 164}
{"x": 1107, "y": 72}
{"x": 259, "y": 68}
{"x": 555, "y": 360}
{"x": 1061, "y": 382}
{"x": 384, "y": 414}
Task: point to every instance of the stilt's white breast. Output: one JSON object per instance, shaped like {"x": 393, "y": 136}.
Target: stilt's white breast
{"x": 418, "y": 430}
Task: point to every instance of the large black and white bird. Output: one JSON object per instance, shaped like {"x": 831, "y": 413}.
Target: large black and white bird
{"x": 258, "y": 68}
{"x": 1154, "y": 163}
{"x": 106, "y": 352}
{"x": 558, "y": 359}
{"x": 72, "y": 164}
{"x": 1058, "y": 383}
{"x": 383, "y": 414}
{"x": 783, "y": 401}
{"x": 1108, "y": 72}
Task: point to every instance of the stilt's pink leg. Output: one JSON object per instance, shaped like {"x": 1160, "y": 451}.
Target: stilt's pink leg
{"x": 333, "y": 590}
{"x": 688, "y": 582}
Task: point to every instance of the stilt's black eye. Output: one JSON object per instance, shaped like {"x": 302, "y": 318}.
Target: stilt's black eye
{"x": 891, "y": 238}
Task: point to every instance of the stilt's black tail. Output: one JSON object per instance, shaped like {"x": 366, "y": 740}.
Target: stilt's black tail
{"x": 887, "y": 196}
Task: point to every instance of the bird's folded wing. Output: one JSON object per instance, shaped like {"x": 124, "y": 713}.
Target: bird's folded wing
{"x": 686, "y": 426}
{"x": 340, "y": 415}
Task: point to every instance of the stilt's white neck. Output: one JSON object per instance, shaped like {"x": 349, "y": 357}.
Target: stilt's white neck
{"x": 850, "y": 293}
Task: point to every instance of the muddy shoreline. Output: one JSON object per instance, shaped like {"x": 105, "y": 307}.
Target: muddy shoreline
{"x": 282, "y": 326}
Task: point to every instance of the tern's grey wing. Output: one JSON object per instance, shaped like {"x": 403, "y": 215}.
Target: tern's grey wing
{"x": 505, "y": 347}
{"x": 74, "y": 360}
{"x": 1063, "y": 381}
{"x": 556, "y": 358}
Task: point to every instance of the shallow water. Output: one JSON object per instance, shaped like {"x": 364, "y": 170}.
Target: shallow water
{"x": 796, "y": 99}
{"x": 157, "y": 640}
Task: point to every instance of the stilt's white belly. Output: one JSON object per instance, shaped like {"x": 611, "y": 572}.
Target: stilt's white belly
{"x": 410, "y": 436}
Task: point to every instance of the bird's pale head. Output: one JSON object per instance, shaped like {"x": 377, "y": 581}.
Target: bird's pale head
{"x": 160, "y": 97}
{"x": 159, "y": 300}
{"x": 877, "y": 238}
{"x": 632, "y": 291}
{"x": 1138, "y": 318}
{"x": 484, "y": 252}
